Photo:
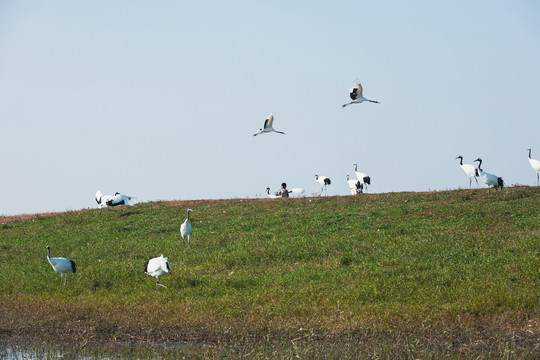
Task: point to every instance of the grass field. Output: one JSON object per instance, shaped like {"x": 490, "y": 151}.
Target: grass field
{"x": 449, "y": 272}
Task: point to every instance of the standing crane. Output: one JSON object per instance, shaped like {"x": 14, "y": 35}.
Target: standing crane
{"x": 469, "y": 169}
{"x": 62, "y": 266}
{"x": 489, "y": 179}
{"x": 535, "y": 165}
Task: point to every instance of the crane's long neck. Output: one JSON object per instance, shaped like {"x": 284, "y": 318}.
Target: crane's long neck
{"x": 460, "y": 160}
{"x": 355, "y": 167}
{"x": 188, "y": 215}
{"x": 529, "y": 152}
{"x": 479, "y": 165}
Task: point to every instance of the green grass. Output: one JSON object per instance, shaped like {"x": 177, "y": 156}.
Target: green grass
{"x": 426, "y": 264}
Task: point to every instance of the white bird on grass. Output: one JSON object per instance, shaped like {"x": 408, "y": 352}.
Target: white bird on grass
{"x": 469, "y": 169}
{"x": 110, "y": 200}
{"x": 535, "y": 165}
{"x": 268, "y": 123}
{"x": 271, "y": 196}
{"x": 489, "y": 179}
{"x": 185, "y": 228}
{"x": 157, "y": 266}
{"x": 356, "y": 95}
{"x": 364, "y": 179}
{"x": 354, "y": 185}
{"x": 61, "y": 265}
{"x": 323, "y": 181}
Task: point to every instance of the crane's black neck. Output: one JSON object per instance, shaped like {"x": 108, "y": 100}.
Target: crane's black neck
{"x": 529, "y": 153}
{"x": 460, "y": 160}
{"x": 188, "y": 214}
{"x": 355, "y": 167}
{"x": 480, "y": 164}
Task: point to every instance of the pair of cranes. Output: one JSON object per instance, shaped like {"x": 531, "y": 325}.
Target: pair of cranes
{"x": 155, "y": 266}
{"x": 355, "y": 186}
{"x": 472, "y": 171}
{"x": 355, "y": 93}
{"x": 493, "y": 180}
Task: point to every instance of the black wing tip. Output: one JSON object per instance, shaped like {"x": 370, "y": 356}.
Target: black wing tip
{"x": 146, "y": 265}
{"x": 73, "y": 267}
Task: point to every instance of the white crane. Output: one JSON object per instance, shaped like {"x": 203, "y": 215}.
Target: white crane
{"x": 323, "y": 181}
{"x": 185, "y": 228}
{"x": 110, "y": 200}
{"x": 268, "y": 126}
{"x": 364, "y": 179}
{"x": 61, "y": 265}
{"x": 489, "y": 179}
{"x": 469, "y": 169}
{"x": 354, "y": 185}
{"x": 355, "y": 92}
{"x": 271, "y": 196}
{"x": 157, "y": 266}
{"x": 535, "y": 165}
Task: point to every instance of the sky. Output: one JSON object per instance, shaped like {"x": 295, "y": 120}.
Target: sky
{"x": 160, "y": 100}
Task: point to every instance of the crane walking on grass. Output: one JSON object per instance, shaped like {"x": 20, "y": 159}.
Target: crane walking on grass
{"x": 535, "y": 165}
{"x": 354, "y": 185}
{"x": 110, "y": 200}
{"x": 489, "y": 179}
{"x": 61, "y": 265}
{"x": 185, "y": 228}
{"x": 323, "y": 181}
{"x": 364, "y": 179}
{"x": 469, "y": 169}
{"x": 156, "y": 267}
{"x": 356, "y": 95}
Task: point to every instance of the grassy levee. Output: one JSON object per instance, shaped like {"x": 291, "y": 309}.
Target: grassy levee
{"x": 445, "y": 269}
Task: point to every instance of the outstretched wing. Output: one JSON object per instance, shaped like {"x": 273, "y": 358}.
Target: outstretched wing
{"x": 269, "y": 121}
{"x": 98, "y": 197}
{"x": 356, "y": 90}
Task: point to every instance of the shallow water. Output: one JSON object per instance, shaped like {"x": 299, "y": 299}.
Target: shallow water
{"x": 300, "y": 349}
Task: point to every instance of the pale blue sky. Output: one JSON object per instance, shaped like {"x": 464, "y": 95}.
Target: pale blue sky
{"x": 160, "y": 99}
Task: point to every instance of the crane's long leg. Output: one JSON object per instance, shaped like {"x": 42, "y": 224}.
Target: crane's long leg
{"x": 158, "y": 284}
{"x": 61, "y": 278}
{"x": 470, "y": 181}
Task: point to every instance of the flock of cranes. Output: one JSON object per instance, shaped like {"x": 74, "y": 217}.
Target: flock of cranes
{"x": 491, "y": 180}
{"x": 155, "y": 266}
{"x": 160, "y": 266}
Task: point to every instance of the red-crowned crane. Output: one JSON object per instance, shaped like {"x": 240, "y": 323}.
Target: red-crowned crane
{"x": 469, "y": 169}
{"x": 364, "y": 179}
{"x": 323, "y": 181}
{"x": 489, "y": 179}
{"x": 61, "y": 265}
{"x": 535, "y": 165}
{"x": 355, "y": 186}
{"x": 110, "y": 200}
{"x": 185, "y": 228}
{"x": 268, "y": 126}
{"x": 355, "y": 92}
{"x": 156, "y": 267}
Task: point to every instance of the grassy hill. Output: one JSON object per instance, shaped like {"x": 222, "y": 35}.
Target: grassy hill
{"x": 449, "y": 272}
